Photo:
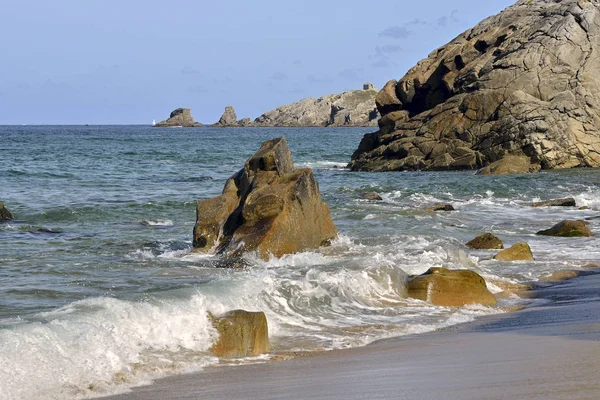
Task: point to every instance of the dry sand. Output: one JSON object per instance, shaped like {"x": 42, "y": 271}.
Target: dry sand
{"x": 545, "y": 352}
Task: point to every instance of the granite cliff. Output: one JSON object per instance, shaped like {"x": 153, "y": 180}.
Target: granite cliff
{"x": 352, "y": 108}
{"x": 525, "y": 82}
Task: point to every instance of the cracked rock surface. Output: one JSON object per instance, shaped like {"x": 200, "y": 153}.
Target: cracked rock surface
{"x": 525, "y": 82}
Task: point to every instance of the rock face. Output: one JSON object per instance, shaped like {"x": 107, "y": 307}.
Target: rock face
{"x": 509, "y": 165}
{"x": 229, "y": 119}
{"x": 523, "y": 82}
{"x": 487, "y": 241}
{"x": 268, "y": 207}
{"x": 241, "y": 334}
{"x": 568, "y": 228}
{"x": 568, "y": 202}
{"x": 444, "y": 287}
{"x": 5, "y": 215}
{"x": 180, "y": 117}
{"x": 353, "y": 108}
{"x": 518, "y": 252}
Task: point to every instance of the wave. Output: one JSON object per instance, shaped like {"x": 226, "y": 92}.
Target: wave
{"x": 158, "y": 222}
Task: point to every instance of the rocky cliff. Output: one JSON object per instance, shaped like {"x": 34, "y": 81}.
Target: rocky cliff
{"x": 353, "y": 108}
{"x": 180, "y": 117}
{"x": 525, "y": 82}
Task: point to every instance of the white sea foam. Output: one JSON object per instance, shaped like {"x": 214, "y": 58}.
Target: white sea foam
{"x": 158, "y": 222}
{"x": 100, "y": 346}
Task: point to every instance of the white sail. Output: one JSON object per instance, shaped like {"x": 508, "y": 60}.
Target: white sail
{"x": 153, "y": 122}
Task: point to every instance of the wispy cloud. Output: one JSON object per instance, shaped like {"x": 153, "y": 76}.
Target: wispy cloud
{"x": 278, "y": 76}
{"x": 396, "y": 32}
{"x": 448, "y": 19}
{"x": 350, "y": 74}
{"x": 197, "y": 89}
{"x": 319, "y": 79}
{"x": 189, "y": 71}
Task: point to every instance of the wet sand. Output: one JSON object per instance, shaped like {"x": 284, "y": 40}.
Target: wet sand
{"x": 551, "y": 351}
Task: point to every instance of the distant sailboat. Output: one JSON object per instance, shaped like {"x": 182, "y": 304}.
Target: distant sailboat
{"x": 153, "y": 122}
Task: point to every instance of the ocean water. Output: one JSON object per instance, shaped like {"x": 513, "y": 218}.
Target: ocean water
{"x": 100, "y": 291}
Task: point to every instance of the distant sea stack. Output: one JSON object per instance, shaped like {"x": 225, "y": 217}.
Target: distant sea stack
{"x": 525, "y": 82}
{"x": 229, "y": 119}
{"x": 180, "y": 117}
{"x": 353, "y": 108}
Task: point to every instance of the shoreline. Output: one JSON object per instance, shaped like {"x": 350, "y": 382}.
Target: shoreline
{"x": 548, "y": 351}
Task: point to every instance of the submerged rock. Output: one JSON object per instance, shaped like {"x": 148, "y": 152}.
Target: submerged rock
{"x": 180, "y": 117}
{"x": 353, "y": 108}
{"x": 241, "y": 334}
{"x": 444, "y": 287}
{"x": 518, "y": 252}
{"x": 441, "y": 207}
{"x": 268, "y": 207}
{"x": 522, "y": 82}
{"x": 568, "y": 202}
{"x": 487, "y": 241}
{"x": 568, "y": 228}
{"x": 5, "y": 215}
{"x": 371, "y": 196}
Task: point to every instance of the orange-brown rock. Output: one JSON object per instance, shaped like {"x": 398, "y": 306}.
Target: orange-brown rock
{"x": 566, "y": 202}
{"x": 568, "y": 228}
{"x": 241, "y": 334}
{"x": 509, "y": 165}
{"x": 518, "y": 252}
{"x": 268, "y": 207}
{"x": 560, "y": 275}
{"x": 487, "y": 241}
{"x": 5, "y": 215}
{"x": 444, "y": 287}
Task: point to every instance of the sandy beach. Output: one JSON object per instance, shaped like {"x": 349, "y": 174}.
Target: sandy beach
{"x": 549, "y": 351}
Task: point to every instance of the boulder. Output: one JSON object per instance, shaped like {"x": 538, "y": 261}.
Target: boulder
{"x": 568, "y": 202}
{"x": 229, "y": 118}
{"x": 241, "y": 334}
{"x": 244, "y": 122}
{"x": 268, "y": 207}
{"x": 353, "y": 108}
{"x": 441, "y": 207}
{"x": 371, "y": 196}
{"x": 568, "y": 228}
{"x": 522, "y": 83}
{"x": 487, "y": 241}
{"x": 560, "y": 275}
{"x": 508, "y": 165}
{"x": 518, "y": 252}
{"x": 5, "y": 215}
{"x": 444, "y": 287}
{"x": 180, "y": 117}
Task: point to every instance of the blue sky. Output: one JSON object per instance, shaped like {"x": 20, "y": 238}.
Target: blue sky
{"x": 131, "y": 61}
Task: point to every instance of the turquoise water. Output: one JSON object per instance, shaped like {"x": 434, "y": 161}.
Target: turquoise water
{"x": 100, "y": 290}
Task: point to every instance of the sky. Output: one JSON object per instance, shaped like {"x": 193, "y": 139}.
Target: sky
{"x": 132, "y": 61}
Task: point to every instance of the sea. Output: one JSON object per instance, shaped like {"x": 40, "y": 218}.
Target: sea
{"x": 100, "y": 290}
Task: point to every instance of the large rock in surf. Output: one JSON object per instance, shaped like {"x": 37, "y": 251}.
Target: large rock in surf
{"x": 524, "y": 82}
{"x": 568, "y": 228}
{"x": 517, "y": 252}
{"x": 241, "y": 334}
{"x": 5, "y": 215}
{"x": 180, "y": 117}
{"x": 567, "y": 202}
{"x": 268, "y": 207}
{"x": 509, "y": 165}
{"x": 353, "y": 108}
{"x": 444, "y": 287}
{"x": 487, "y": 241}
